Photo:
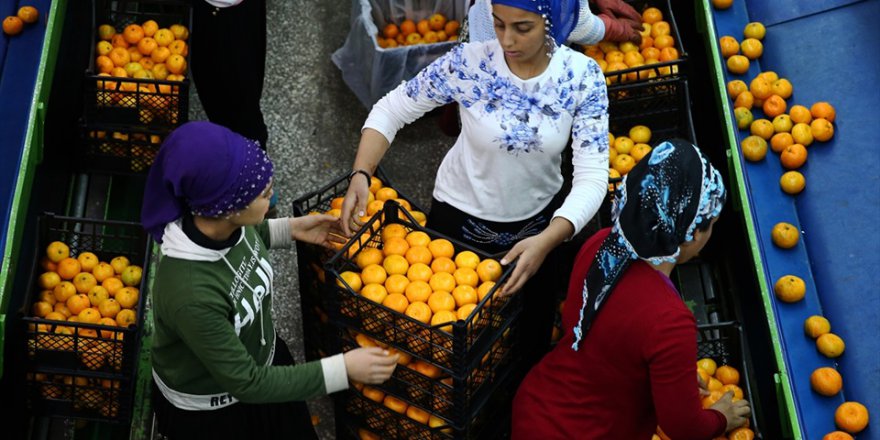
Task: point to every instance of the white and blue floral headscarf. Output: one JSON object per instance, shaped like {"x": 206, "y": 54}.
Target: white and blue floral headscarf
{"x": 663, "y": 200}
{"x": 560, "y": 16}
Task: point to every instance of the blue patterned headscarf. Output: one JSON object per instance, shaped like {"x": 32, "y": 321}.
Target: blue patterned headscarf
{"x": 560, "y": 16}
{"x": 206, "y": 169}
{"x": 663, "y": 200}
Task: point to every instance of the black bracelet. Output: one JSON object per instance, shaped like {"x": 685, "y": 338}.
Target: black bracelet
{"x": 364, "y": 172}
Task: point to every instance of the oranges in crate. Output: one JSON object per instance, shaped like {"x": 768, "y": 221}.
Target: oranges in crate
{"x": 434, "y": 29}
{"x": 627, "y": 150}
{"x": 83, "y": 289}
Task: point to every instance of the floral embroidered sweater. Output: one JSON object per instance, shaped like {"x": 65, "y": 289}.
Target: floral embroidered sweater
{"x": 505, "y": 164}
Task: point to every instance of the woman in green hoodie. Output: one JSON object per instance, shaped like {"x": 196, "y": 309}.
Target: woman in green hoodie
{"x": 219, "y": 368}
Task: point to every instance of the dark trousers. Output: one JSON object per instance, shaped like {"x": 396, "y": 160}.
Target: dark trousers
{"x": 540, "y": 293}
{"x": 228, "y": 64}
{"x": 287, "y": 420}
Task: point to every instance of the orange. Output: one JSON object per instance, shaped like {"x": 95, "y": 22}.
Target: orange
{"x": 104, "y": 64}
{"x": 762, "y": 128}
{"x": 68, "y": 268}
{"x": 387, "y": 193}
{"x": 760, "y": 88}
{"x": 89, "y": 316}
{"x": 821, "y": 129}
{"x": 441, "y": 247}
{"x": 150, "y": 27}
{"x": 830, "y": 345}
{"x": 443, "y": 264}
{"x": 623, "y": 144}
{"x": 375, "y": 184}
{"x": 754, "y": 148}
{"x": 87, "y": 261}
{"x": 106, "y": 32}
{"x": 177, "y": 47}
{"x": 722, "y": 4}
{"x": 77, "y": 303}
{"x": 394, "y": 246}
{"x": 41, "y": 309}
{"x": 442, "y": 317}
{"x": 112, "y": 284}
{"x": 374, "y": 292}
{"x": 660, "y": 28}
{"x": 418, "y": 414}
{"x": 419, "y": 272}
{"x": 738, "y": 64}
{"x": 176, "y": 64}
{"x": 782, "y": 122}
{"x": 780, "y": 141}
{"x": 133, "y": 33}
{"x": 396, "y": 302}
{"x": 160, "y": 54}
{"x": 28, "y": 14}
{"x": 368, "y": 256}
{"x": 466, "y": 276}
{"x": 711, "y": 398}
{"x": 652, "y": 15}
{"x": 393, "y": 230}
{"x": 47, "y": 296}
{"x": 464, "y": 295}
{"x": 109, "y": 308}
{"x": 396, "y": 283}
{"x": 418, "y": 238}
{"x": 800, "y": 114}
{"x": 395, "y": 264}
{"x": 708, "y": 365}
{"x": 390, "y": 30}
{"x": 84, "y": 282}
{"x": 489, "y": 270}
{"x": 180, "y": 31}
{"x": 754, "y": 30}
{"x": 802, "y": 134}
{"x": 423, "y": 27}
{"x": 467, "y": 259}
{"x": 126, "y": 318}
{"x": 163, "y": 37}
{"x": 418, "y": 291}
{"x": 639, "y": 151}
{"x": 785, "y": 235}
{"x": 790, "y": 288}
{"x": 663, "y": 41}
{"x": 120, "y": 57}
{"x": 55, "y": 316}
{"x": 774, "y": 106}
{"x": 48, "y": 280}
{"x": 63, "y": 291}
{"x": 118, "y": 40}
{"x": 395, "y": 404}
{"x": 12, "y": 25}
{"x": 47, "y": 265}
{"x": 441, "y": 300}
{"x": 793, "y": 156}
{"x": 752, "y": 48}
{"x": 484, "y": 289}
{"x": 374, "y": 274}
{"x": 826, "y": 381}
{"x": 419, "y": 311}
{"x": 714, "y": 384}
{"x": 837, "y": 435}
{"x": 704, "y": 375}
{"x": 464, "y": 311}
{"x": 741, "y": 434}
{"x": 437, "y": 22}
{"x": 823, "y": 110}
{"x": 97, "y": 295}
{"x": 363, "y": 434}
{"x": 373, "y": 394}
{"x": 737, "y": 391}
{"x": 792, "y": 182}
{"x": 119, "y": 264}
{"x": 623, "y": 163}
{"x": 782, "y": 87}
{"x": 851, "y": 417}
{"x": 352, "y": 279}
{"x": 727, "y": 375}
{"x": 442, "y": 281}
{"x": 816, "y": 326}
{"x": 743, "y": 116}
{"x": 127, "y": 297}
{"x": 451, "y": 27}
{"x": 729, "y": 46}
{"x": 640, "y": 134}
{"x": 650, "y": 53}
{"x": 418, "y": 254}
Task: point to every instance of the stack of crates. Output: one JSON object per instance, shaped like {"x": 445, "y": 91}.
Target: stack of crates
{"x": 78, "y": 369}
{"x": 125, "y": 119}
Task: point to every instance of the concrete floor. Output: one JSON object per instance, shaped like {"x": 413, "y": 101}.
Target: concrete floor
{"x": 314, "y": 126}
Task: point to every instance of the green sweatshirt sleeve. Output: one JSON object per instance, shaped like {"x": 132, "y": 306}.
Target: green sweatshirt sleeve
{"x": 206, "y": 330}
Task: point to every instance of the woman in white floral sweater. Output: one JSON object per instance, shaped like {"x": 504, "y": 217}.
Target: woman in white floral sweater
{"x": 522, "y": 97}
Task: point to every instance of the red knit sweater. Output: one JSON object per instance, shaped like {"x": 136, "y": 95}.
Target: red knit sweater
{"x": 635, "y": 367}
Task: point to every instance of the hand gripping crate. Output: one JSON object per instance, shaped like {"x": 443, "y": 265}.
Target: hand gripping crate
{"x": 465, "y": 360}
{"x": 77, "y": 369}
{"x": 129, "y": 103}
{"x": 318, "y": 337}
{"x": 725, "y": 344}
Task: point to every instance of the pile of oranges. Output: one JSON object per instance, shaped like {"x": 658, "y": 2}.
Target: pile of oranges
{"x": 145, "y": 52}
{"x": 657, "y": 46}
{"x": 14, "y": 24}
{"x": 626, "y": 151}
{"x": 434, "y": 29}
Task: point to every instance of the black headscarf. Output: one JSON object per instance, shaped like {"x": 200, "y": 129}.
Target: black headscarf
{"x": 663, "y": 199}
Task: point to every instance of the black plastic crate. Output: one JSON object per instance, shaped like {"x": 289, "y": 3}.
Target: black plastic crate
{"x": 673, "y": 69}
{"x": 318, "y": 336}
{"x": 97, "y": 397}
{"x": 452, "y": 399}
{"x": 114, "y": 102}
{"x": 76, "y": 349}
{"x": 664, "y": 106}
{"x": 120, "y": 151}
{"x": 455, "y": 353}
{"x": 725, "y": 344}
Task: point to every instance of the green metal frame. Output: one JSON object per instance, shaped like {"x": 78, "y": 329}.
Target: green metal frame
{"x": 788, "y": 411}
{"x": 31, "y": 155}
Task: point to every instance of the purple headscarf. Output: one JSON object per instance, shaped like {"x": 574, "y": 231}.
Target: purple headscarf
{"x": 560, "y": 16}
{"x": 205, "y": 169}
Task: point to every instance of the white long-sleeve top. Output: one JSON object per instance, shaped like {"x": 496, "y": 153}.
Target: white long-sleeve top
{"x": 505, "y": 164}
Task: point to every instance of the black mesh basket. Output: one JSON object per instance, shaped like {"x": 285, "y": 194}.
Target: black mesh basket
{"x": 77, "y": 369}
{"x": 130, "y": 103}
{"x": 120, "y": 151}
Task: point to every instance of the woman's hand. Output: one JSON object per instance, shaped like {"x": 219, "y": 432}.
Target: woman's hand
{"x": 371, "y": 365}
{"x": 355, "y": 204}
{"x": 529, "y": 253}
{"x": 320, "y": 229}
{"x": 736, "y": 413}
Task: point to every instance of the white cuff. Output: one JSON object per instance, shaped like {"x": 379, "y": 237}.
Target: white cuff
{"x": 335, "y": 375}
{"x": 279, "y": 233}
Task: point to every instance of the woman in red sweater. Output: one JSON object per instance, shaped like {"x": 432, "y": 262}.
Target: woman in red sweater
{"x": 619, "y": 373}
